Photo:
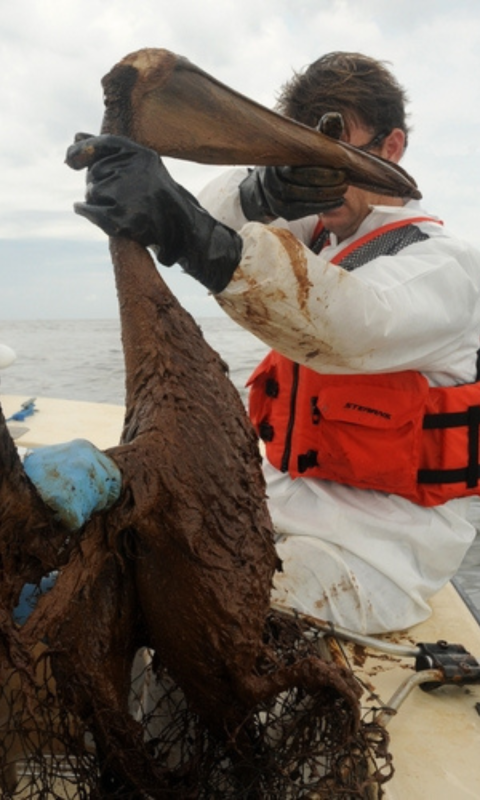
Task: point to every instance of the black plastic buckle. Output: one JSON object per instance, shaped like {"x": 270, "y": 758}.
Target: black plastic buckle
{"x": 307, "y": 460}
{"x": 455, "y": 663}
{"x": 271, "y": 387}
{"x": 266, "y": 432}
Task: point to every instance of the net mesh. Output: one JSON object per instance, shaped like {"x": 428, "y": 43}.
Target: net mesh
{"x": 298, "y": 744}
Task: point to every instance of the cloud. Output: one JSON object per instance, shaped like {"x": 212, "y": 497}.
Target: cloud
{"x": 54, "y": 278}
{"x": 53, "y": 56}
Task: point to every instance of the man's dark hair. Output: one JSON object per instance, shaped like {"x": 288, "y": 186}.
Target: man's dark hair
{"x": 360, "y": 88}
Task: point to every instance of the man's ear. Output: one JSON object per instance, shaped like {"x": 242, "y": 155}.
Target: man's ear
{"x": 393, "y": 146}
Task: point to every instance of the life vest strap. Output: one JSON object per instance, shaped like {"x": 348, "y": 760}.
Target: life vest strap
{"x": 447, "y": 419}
{"x": 461, "y": 475}
{"x": 471, "y": 473}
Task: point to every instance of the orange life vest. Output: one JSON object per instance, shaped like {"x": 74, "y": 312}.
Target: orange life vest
{"x": 389, "y": 432}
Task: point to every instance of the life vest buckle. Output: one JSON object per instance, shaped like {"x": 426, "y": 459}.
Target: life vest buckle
{"x": 307, "y": 460}
{"x": 266, "y": 431}
{"x": 271, "y": 387}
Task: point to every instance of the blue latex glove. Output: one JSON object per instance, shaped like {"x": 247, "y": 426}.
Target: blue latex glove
{"x": 75, "y": 479}
{"x": 30, "y": 596}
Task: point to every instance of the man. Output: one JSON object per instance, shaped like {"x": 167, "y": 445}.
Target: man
{"x": 367, "y": 302}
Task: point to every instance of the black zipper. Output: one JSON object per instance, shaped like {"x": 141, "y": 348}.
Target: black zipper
{"x": 291, "y": 419}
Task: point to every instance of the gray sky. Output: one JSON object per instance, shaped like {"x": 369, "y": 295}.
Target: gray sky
{"x": 55, "y": 265}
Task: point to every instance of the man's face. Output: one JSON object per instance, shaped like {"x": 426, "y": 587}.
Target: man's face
{"x": 344, "y": 221}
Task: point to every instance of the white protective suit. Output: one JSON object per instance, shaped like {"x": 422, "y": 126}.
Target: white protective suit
{"x": 362, "y": 559}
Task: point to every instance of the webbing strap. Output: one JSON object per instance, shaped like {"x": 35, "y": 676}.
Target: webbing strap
{"x": 469, "y": 474}
{"x": 461, "y": 475}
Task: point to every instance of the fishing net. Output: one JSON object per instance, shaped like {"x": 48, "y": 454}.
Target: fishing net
{"x": 295, "y": 745}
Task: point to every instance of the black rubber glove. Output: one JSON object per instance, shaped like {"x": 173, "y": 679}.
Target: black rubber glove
{"x": 294, "y": 192}
{"x": 130, "y": 193}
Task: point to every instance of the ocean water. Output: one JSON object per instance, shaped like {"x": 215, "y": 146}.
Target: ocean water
{"x": 83, "y": 360}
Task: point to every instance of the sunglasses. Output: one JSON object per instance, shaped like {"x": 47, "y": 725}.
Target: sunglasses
{"x": 375, "y": 142}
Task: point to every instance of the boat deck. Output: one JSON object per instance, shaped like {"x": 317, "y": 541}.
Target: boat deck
{"x": 435, "y": 736}
{"x": 56, "y": 421}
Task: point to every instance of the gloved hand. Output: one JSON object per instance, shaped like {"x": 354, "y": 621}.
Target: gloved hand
{"x": 130, "y": 193}
{"x": 294, "y": 192}
{"x": 75, "y": 479}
